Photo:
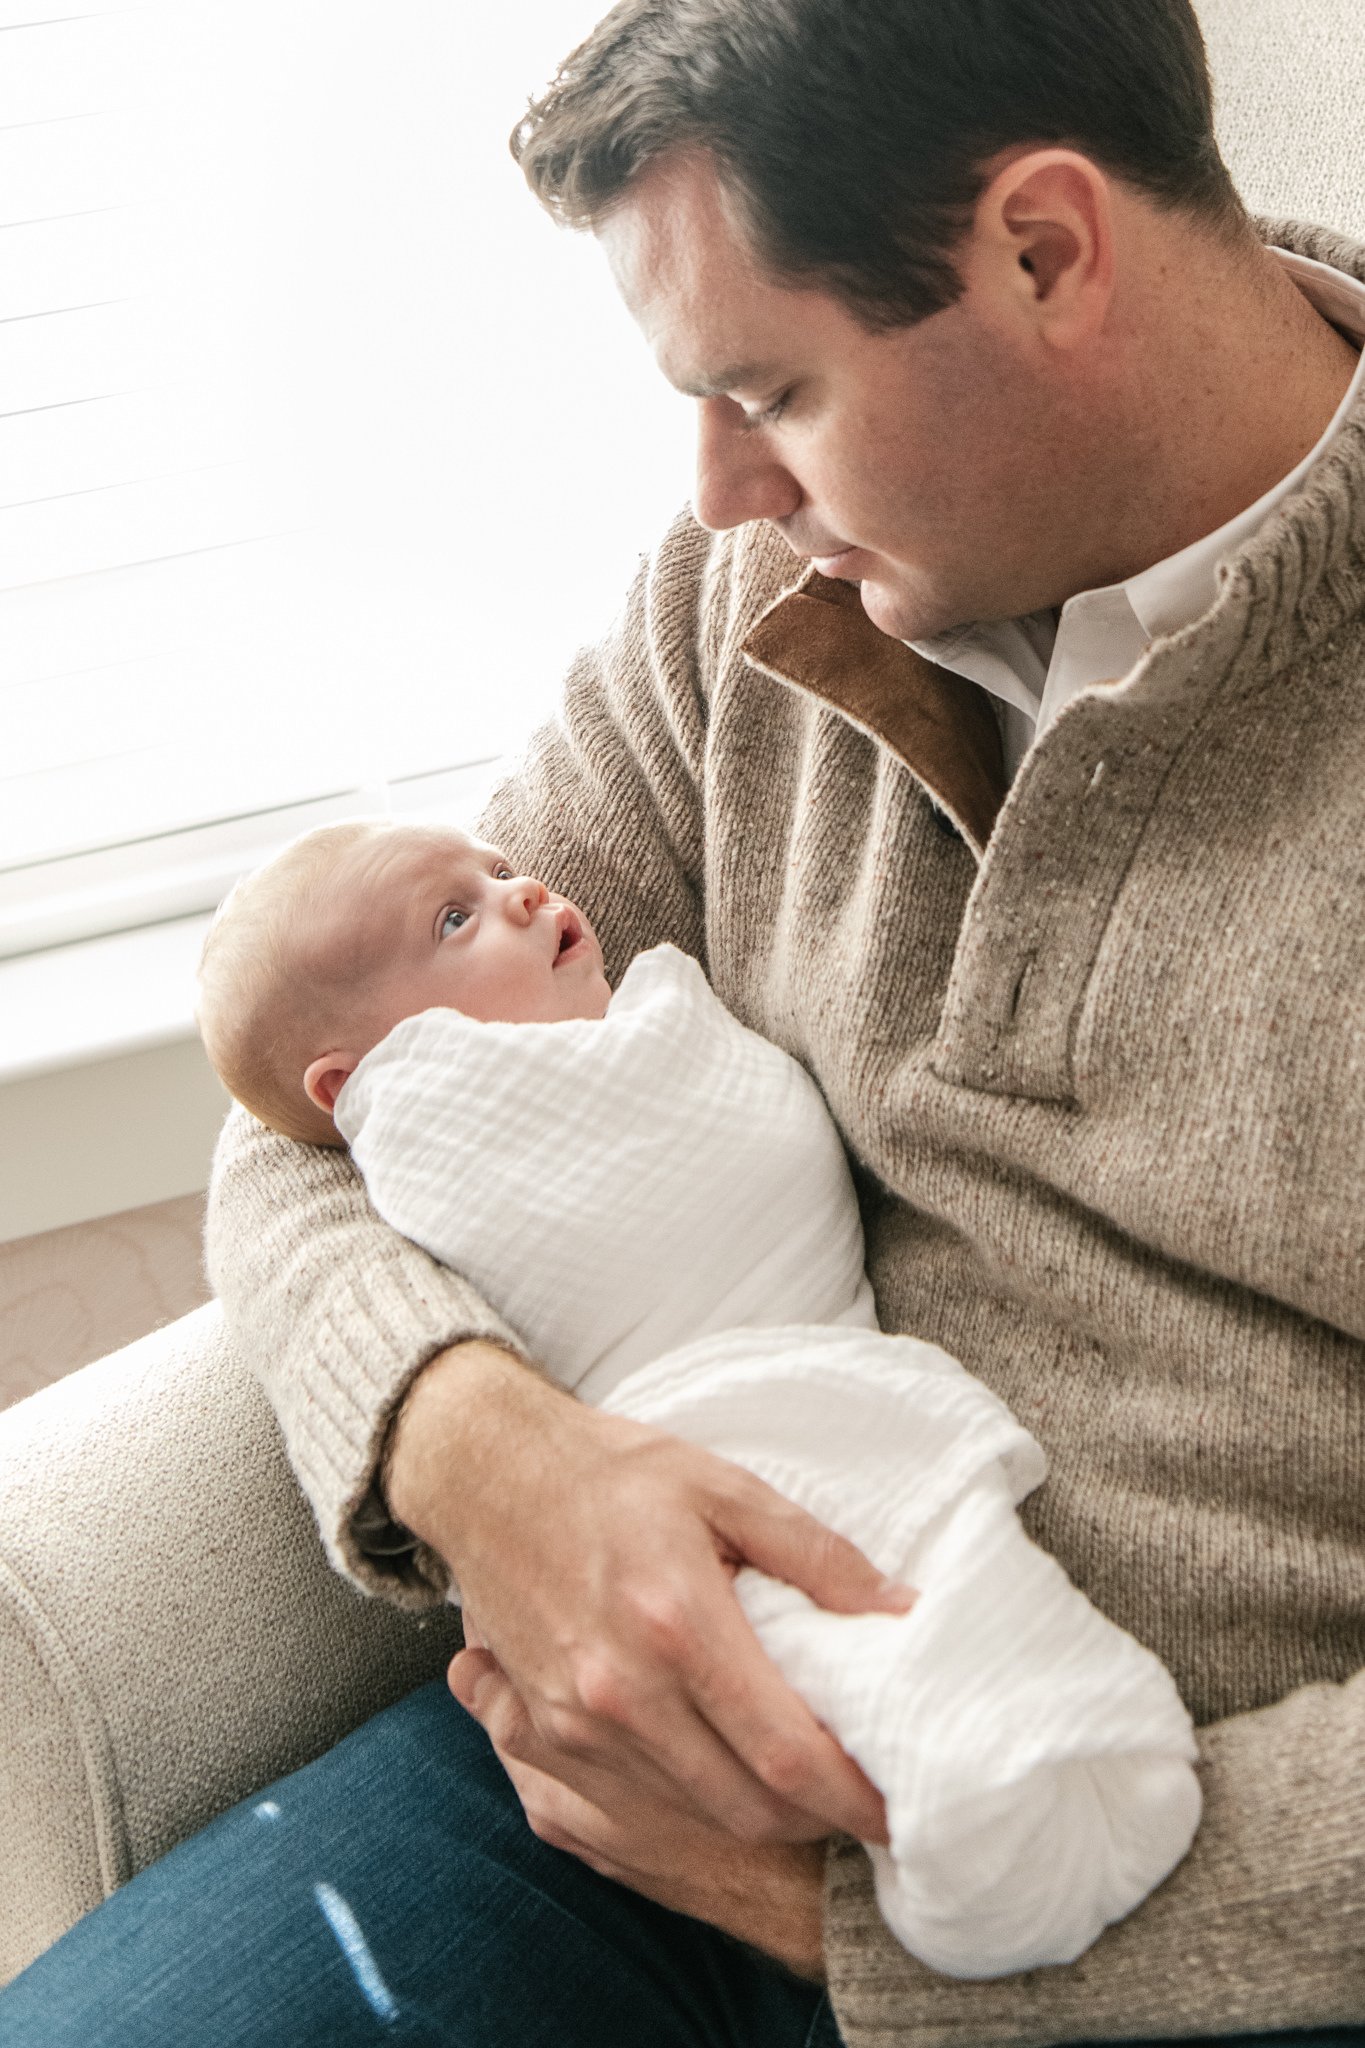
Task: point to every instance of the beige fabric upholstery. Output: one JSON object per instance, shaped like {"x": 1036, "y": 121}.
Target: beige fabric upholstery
{"x": 171, "y": 1636}
{"x": 1289, "y": 104}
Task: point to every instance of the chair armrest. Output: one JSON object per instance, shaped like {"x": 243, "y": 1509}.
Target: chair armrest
{"x": 171, "y": 1636}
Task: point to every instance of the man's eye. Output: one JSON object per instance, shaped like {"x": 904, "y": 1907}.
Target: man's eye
{"x": 452, "y": 921}
{"x": 770, "y": 414}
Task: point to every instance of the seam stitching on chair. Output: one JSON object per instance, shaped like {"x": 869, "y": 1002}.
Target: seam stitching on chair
{"x": 92, "y": 1732}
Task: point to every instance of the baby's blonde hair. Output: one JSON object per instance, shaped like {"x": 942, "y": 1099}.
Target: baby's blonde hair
{"x": 270, "y": 982}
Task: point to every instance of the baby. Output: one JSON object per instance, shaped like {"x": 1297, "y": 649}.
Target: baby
{"x": 314, "y": 958}
{"x": 658, "y": 1202}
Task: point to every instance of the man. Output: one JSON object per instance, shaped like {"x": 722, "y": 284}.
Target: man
{"x": 1025, "y": 808}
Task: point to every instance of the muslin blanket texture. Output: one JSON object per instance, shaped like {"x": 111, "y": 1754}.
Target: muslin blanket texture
{"x": 659, "y": 1203}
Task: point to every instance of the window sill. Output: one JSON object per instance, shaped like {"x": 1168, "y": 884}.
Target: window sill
{"x": 107, "y": 1102}
{"x": 106, "y": 1099}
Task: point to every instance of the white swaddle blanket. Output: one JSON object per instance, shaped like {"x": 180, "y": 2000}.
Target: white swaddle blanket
{"x": 659, "y": 1203}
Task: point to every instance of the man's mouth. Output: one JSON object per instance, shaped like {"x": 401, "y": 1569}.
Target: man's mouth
{"x": 829, "y": 559}
{"x": 834, "y": 565}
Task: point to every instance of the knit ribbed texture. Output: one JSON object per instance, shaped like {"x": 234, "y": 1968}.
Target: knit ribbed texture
{"x": 1104, "y": 1095}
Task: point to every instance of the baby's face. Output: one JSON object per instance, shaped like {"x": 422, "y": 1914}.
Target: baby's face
{"x": 453, "y": 926}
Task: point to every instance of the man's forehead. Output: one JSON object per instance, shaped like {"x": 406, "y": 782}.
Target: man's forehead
{"x": 682, "y": 263}
{"x": 713, "y": 338}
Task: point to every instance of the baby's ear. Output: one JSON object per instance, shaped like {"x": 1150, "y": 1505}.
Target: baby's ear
{"x": 326, "y": 1077}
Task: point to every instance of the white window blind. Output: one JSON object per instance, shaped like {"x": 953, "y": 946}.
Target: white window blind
{"x": 321, "y": 449}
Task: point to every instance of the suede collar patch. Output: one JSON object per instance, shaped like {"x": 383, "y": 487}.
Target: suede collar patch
{"x": 818, "y": 638}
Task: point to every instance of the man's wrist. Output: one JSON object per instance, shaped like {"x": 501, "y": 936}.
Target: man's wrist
{"x": 801, "y": 1914}
{"x": 454, "y": 1401}
{"x": 777, "y": 1908}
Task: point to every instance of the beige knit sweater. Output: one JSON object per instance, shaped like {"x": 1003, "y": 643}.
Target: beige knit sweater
{"x": 1104, "y": 1090}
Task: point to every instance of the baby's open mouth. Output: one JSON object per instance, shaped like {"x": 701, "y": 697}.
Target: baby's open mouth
{"x": 570, "y": 932}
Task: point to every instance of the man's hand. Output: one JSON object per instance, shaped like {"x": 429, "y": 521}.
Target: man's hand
{"x": 599, "y": 1557}
{"x": 768, "y": 1895}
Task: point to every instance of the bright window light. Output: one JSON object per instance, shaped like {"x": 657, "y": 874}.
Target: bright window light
{"x": 321, "y": 448}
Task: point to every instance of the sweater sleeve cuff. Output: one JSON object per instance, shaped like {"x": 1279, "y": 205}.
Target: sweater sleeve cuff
{"x": 337, "y": 1314}
{"x": 378, "y": 1339}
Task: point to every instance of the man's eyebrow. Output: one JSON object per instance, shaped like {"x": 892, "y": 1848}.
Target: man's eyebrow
{"x": 735, "y": 377}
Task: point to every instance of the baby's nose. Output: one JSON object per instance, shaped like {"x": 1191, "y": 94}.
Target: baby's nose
{"x": 528, "y": 892}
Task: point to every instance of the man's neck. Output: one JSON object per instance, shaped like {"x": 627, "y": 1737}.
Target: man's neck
{"x": 1244, "y": 382}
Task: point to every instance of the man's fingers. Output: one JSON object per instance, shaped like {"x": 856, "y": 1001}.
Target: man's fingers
{"x": 563, "y": 1819}
{"x": 742, "y": 1693}
{"x": 769, "y": 1727}
{"x": 782, "y": 1540}
{"x": 682, "y": 1703}
{"x": 703, "y": 1776}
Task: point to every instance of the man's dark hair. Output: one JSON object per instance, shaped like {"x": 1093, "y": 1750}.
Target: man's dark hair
{"x": 852, "y": 133}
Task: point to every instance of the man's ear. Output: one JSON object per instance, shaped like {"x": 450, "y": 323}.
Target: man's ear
{"x": 325, "y": 1079}
{"x": 1046, "y": 237}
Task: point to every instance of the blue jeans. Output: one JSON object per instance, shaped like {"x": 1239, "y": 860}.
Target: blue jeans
{"x": 392, "y": 1893}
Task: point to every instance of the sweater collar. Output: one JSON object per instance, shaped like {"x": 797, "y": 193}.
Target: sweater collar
{"x": 819, "y": 639}
{"x": 1299, "y": 577}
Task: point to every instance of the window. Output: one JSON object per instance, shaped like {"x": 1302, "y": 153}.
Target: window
{"x": 321, "y": 448}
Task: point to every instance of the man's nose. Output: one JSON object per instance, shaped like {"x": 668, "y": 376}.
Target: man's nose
{"x": 738, "y": 477}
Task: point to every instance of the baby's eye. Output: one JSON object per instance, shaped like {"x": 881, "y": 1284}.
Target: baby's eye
{"x": 452, "y": 921}
{"x": 502, "y": 873}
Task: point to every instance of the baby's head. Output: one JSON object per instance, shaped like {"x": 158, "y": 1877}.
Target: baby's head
{"x": 313, "y": 958}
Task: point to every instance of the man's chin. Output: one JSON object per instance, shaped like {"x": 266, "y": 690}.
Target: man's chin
{"x": 889, "y": 610}
{"x": 906, "y": 614}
